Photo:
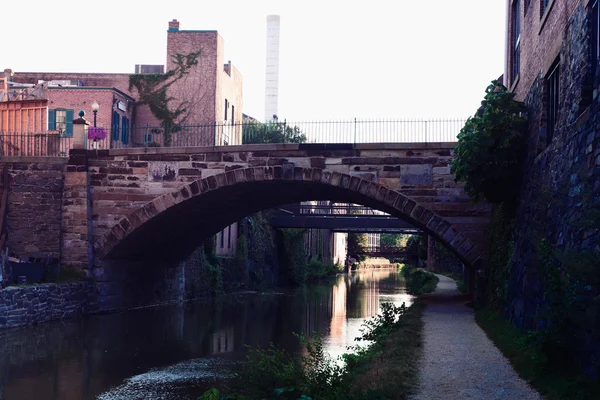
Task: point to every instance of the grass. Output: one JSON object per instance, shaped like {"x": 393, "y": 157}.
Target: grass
{"x": 391, "y": 373}
{"x": 419, "y": 281}
{"x": 385, "y": 368}
{"x": 554, "y": 382}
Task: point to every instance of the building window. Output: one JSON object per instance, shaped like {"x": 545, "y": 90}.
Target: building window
{"x": 516, "y": 40}
{"x": 226, "y": 108}
{"x": 552, "y": 98}
{"x": 595, "y": 39}
{"x": 222, "y": 238}
{"x": 232, "y": 115}
{"x": 229, "y": 237}
{"x": 116, "y": 123}
{"x": 125, "y": 130}
{"x": 61, "y": 120}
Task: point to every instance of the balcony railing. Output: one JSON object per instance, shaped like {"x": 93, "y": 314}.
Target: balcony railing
{"x": 244, "y": 133}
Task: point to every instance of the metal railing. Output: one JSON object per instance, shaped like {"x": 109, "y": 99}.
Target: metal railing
{"x": 35, "y": 145}
{"x": 334, "y": 209}
{"x": 57, "y": 144}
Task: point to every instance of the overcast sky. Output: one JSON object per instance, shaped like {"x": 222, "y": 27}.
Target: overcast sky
{"x": 338, "y": 59}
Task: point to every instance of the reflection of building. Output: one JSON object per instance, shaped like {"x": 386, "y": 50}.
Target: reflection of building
{"x": 338, "y": 317}
{"x": 222, "y": 341}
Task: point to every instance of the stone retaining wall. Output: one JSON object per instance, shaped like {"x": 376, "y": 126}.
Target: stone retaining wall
{"x": 36, "y": 304}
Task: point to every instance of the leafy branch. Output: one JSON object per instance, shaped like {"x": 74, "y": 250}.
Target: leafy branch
{"x": 491, "y": 147}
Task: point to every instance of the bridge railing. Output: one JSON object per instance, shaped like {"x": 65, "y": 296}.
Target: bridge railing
{"x": 57, "y": 144}
{"x": 386, "y": 250}
{"x": 334, "y": 209}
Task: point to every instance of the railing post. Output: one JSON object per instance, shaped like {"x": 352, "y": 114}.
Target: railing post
{"x": 354, "y": 130}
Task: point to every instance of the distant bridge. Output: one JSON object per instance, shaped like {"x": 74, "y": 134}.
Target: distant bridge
{"x": 340, "y": 218}
{"x": 386, "y": 251}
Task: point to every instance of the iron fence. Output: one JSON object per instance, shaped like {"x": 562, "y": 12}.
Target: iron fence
{"x": 35, "y": 144}
{"x": 223, "y": 134}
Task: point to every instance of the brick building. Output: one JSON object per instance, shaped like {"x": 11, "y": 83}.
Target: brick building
{"x": 552, "y": 65}
{"x": 210, "y": 91}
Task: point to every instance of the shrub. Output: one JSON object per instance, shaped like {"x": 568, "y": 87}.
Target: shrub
{"x": 491, "y": 147}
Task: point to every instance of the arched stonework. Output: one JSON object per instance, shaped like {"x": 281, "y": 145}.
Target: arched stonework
{"x": 391, "y": 201}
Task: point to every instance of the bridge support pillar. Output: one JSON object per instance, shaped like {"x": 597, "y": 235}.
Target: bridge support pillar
{"x": 76, "y": 222}
{"x": 431, "y": 261}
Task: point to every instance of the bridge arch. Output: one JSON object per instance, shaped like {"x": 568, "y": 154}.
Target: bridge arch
{"x": 180, "y": 219}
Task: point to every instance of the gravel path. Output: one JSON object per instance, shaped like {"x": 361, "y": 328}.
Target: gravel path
{"x": 459, "y": 361}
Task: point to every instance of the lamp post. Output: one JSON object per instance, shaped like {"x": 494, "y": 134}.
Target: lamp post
{"x": 95, "y": 108}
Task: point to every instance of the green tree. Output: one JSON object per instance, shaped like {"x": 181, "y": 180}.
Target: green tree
{"x": 271, "y": 132}
{"x": 393, "y": 240}
{"x": 357, "y": 242}
{"x": 491, "y": 147}
{"x": 418, "y": 244}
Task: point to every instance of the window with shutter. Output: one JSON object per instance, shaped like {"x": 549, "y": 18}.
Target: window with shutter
{"x": 69, "y": 116}
{"x": 116, "y": 118}
{"x": 51, "y": 120}
{"x": 125, "y": 130}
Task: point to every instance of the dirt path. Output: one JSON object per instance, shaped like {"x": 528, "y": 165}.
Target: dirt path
{"x": 459, "y": 361}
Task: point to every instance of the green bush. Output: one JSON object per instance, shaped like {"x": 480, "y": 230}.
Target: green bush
{"x": 272, "y": 373}
{"x": 491, "y": 147}
{"x": 419, "y": 281}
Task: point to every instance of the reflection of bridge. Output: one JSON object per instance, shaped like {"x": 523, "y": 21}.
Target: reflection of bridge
{"x": 340, "y": 218}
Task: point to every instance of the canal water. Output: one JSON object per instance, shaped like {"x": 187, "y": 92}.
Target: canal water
{"x": 178, "y": 351}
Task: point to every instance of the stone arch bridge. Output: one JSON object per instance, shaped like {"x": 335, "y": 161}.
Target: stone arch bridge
{"x": 101, "y": 207}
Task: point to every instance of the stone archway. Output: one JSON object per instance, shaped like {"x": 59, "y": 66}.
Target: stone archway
{"x": 262, "y": 187}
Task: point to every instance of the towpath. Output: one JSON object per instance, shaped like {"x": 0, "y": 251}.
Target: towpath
{"x": 459, "y": 360}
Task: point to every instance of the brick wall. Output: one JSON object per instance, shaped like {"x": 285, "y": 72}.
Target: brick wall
{"x": 561, "y": 189}
{"x": 197, "y": 88}
{"x": 541, "y": 39}
{"x": 34, "y": 206}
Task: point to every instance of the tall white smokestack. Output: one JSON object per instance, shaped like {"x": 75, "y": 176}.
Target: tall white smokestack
{"x": 272, "y": 70}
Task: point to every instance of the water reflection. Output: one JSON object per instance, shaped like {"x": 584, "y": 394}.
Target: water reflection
{"x": 177, "y": 351}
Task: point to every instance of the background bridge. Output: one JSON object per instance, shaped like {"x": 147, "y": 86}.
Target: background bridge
{"x": 340, "y": 218}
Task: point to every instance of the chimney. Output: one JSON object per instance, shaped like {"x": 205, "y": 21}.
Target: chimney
{"x": 173, "y": 26}
{"x": 8, "y": 75}
{"x": 272, "y": 67}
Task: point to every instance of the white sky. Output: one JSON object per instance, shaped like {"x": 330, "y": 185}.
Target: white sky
{"x": 338, "y": 59}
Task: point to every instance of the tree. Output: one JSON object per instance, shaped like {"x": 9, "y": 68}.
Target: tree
{"x": 357, "y": 243}
{"x": 271, "y": 132}
{"x": 393, "y": 240}
{"x": 491, "y": 147}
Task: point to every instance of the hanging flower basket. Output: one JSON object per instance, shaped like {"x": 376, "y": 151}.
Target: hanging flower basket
{"x": 96, "y": 133}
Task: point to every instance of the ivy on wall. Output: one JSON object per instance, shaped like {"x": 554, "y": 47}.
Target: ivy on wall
{"x": 152, "y": 88}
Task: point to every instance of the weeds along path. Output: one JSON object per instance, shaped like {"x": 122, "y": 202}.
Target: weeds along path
{"x": 459, "y": 361}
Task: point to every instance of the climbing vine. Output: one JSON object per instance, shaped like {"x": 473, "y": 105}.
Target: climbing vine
{"x": 153, "y": 88}
{"x": 491, "y": 147}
